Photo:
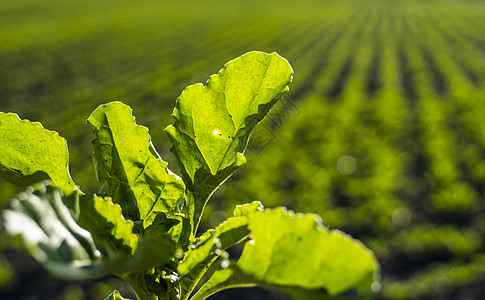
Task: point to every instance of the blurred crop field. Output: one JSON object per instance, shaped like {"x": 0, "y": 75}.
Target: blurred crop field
{"x": 382, "y": 132}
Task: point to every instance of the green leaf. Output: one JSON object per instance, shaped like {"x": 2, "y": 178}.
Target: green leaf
{"x": 211, "y": 245}
{"x": 213, "y": 122}
{"x": 297, "y": 250}
{"x": 29, "y": 153}
{"x": 104, "y": 220}
{"x": 248, "y": 209}
{"x": 50, "y": 232}
{"x": 297, "y": 254}
{"x": 79, "y": 236}
{"x": 213, "y": 242}
{"x": 152, "y": 251}
{"x": 221, "y": 279}
{"x": 115, "y": 295}
{"x": 177, "y": 227}
{"x": 208, "y": 248}
{"x": 130, "y": 169}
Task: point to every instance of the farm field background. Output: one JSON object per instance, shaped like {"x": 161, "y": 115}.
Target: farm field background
{"x": 382, "y": 132}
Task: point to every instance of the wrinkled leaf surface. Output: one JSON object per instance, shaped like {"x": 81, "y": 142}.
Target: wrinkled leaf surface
{"x": 213, "y": 122}
{"x": 29, "y": 153}
{"x": 296, "y": 254}
{"x": 129, "y": 168}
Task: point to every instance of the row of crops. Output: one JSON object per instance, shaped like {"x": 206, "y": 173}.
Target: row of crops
{"x": 382, "y": 133}
{"x": 388, "y": 144}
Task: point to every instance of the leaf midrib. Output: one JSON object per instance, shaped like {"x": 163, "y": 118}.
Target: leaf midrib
{"x": 237, "y": 127}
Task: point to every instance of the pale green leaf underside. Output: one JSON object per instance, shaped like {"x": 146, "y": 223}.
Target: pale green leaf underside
{"x": 50, "y": 232}
{"x": 29, "y": 153}
{"x": 296, "y": 254}
{"x": 79, "y": 236}
{"x": 128, "y": 165}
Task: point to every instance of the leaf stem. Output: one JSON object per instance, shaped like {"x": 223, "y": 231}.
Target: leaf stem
{"x": 204, "y": 294}
{"x": 223, "y": 279}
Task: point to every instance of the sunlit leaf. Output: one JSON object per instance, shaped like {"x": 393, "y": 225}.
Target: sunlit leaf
{"x": 248, "y": 209}
{"x": 298, "y": 255}
{"x": 213, "y": 122}
{"x": 297, "y": 250}
{"x": 29, "y": 153}
{"x": 129, "y": 168}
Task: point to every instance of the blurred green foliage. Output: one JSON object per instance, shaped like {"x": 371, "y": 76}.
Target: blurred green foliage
{"x": 382, "y": 132}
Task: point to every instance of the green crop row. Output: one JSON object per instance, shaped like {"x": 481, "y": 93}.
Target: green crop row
{"x": 388, "y": 141}
{"x": 382, "y": 132}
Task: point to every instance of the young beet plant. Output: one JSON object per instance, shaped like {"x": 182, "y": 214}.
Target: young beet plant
{"x": 143, "y": 223}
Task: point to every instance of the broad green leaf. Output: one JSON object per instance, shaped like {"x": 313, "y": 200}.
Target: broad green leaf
{"x": 115, "y": 295}
{"x": 297, "y": 250}
{"x": 213, "y": 122}
{"x": 129, "y": 168}
{"x": 232, "y": 276}
{"x": 29, "y": 153}
{"x": 298, "y": 255}
{"x": 298, "y": 293}
{"x": 79, "y": 236}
